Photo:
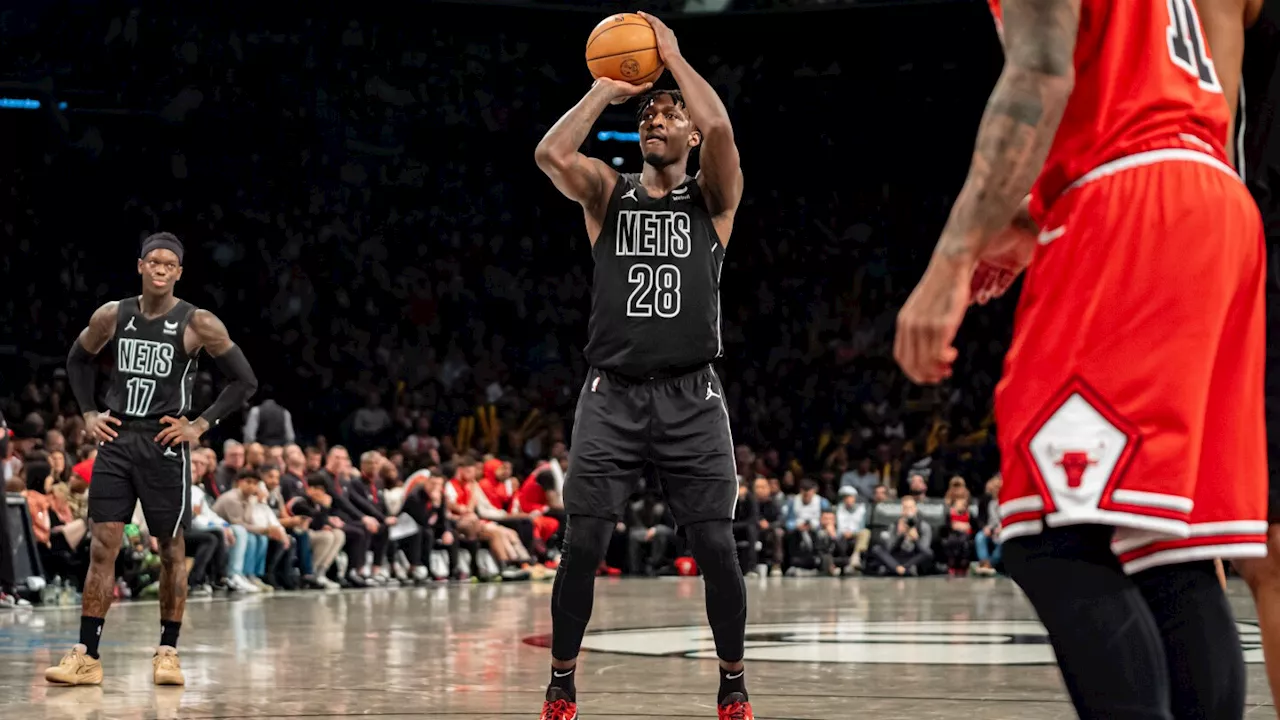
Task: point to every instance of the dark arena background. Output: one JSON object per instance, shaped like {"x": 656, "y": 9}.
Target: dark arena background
{"x": 356, "y": 190}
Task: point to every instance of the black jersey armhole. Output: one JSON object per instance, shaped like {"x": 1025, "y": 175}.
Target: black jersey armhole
{"x": 609, "y": 208}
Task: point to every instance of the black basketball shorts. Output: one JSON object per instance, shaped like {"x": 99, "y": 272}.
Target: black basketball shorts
{"x": 133, "y": 468}
{"x": 677, "y": 427}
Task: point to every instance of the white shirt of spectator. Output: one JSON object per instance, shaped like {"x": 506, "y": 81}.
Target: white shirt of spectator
{"x": 263, "y": 516}
{"x": 810, "y": 513}
{"x": 854, "y": 521}
{"x": 206, "y": 518}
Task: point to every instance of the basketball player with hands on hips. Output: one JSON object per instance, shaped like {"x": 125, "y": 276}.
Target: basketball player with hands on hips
{"x": 652, "y": 401}
{"x": 145, "y": 442}
{"x": 1130, "y": 411}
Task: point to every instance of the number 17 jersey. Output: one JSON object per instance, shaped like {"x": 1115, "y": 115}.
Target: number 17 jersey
{"x": 655, "y": 295}
{"x": 152, "y": 375}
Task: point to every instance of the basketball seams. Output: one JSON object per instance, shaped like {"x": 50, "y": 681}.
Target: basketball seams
{"x": 611, "y": 28}
{"x": 619, "y": 54}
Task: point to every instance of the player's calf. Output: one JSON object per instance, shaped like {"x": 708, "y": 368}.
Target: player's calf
{"x": 586, "y": 539}
{"x": 716, "y": 552}
{"x": 1205, "y": 660}
{"x": 1263, "y": 577}
{"x": 173, "y": 603}
{"x": 1105, "y": 638}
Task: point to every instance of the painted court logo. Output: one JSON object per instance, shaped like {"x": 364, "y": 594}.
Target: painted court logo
{"x": 957, "y": 642}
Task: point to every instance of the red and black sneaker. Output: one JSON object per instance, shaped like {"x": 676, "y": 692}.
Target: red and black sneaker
{"x": 736, "y": 707}
{"x": 558, "y": 706}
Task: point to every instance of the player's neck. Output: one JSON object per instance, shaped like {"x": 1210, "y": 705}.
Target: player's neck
{"x": 153, "y": 306}
{"x": 663, "y": 179}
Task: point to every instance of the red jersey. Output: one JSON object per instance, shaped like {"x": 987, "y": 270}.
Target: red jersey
{"x": 1144, "y": 81}
{"x": 531, "y": 496}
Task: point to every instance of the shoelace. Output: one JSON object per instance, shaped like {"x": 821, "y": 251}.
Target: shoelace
{"x": 736, "y": 711}
{"x": 559, "y": 710}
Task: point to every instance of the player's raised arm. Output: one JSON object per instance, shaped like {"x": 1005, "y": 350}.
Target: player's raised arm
{"x": 721, "y": 172}
{"x": 583, "y": 179}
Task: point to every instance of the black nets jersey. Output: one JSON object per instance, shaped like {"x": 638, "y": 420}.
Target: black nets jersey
{"x": 152, "y": 375}
{"x": 655, "y": 296}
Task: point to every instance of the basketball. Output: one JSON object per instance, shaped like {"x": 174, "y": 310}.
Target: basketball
{"x": 623, "y": 47}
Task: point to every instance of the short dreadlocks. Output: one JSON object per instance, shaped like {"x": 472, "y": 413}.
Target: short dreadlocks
{"x": 650, "y": 97}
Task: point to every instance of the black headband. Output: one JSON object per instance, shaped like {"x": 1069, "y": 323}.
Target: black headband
{"x": 164, "y": 241}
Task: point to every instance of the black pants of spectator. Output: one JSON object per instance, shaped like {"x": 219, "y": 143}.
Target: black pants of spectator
{"x": 379, "y": 543}
{"x": 638, "y": 542}
{"x": 958, "y": 549}
{"x": 918, "y": 558}
{"x": 8, "y": 579}
{"x": 523, "y": 528}
{"x": 205, "y": 548}
{"x": 747, "y": 535}
{"x": 357, "y": 547}
{"x": 280, "y": 565}
{"x": 771, "y": 545}
{"x": 839, "y": 552}
{"x": 60, "y": 561}
{"x": 802, "y": 550}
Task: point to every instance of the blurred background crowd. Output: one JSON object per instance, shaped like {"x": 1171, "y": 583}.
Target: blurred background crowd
{"x": 360, "y": 206}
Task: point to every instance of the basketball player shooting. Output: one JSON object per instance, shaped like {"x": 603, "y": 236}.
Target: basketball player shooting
{"x": 145, "y": 442}
{"x": 652, "y": 398}
{"x": 1130, "y": 413}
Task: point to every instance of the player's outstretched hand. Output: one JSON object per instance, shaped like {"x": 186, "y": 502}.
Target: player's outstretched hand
{"x": 668, "y": 48}
{"x": 928, "y": 322}
{"x": 619, "y": 91}
{"x": 179, "y": 430}
{"x": 98, "y": 426}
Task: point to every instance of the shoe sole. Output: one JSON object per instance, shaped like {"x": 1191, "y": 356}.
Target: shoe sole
{"x": 65, "y": 683}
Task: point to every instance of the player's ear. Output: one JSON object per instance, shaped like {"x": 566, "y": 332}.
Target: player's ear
{"x": 139, "y": 266}
{"x": 695, "y": 139}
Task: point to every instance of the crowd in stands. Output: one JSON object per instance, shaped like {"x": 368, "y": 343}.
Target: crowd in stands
{"x": 421, "y": 510}
{"x": 360, "y": 206}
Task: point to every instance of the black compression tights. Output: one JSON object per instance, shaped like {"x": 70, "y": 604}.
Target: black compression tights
{"x": 1156, "y": 646}
{"x": 586, "y": 539}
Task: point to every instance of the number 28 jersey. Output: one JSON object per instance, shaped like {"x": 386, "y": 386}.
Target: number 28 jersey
{"x": 1144, "y": 81}
{"x": 152, "y": 375}
{"x": 655, "y": 295}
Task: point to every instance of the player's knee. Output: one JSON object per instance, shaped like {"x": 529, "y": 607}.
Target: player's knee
{"x": 173, "y": 551}
{"x": 106, "y": 542}
{"x": 711, "y": 540}
{"x": 586, "y": 540}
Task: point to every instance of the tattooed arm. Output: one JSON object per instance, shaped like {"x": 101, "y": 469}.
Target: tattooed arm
{"x": 1013, "y": 140}
{"x": 1019, "y": 123}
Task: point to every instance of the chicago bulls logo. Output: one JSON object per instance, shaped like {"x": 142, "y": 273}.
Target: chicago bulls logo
{"x": 1075, "y": 462}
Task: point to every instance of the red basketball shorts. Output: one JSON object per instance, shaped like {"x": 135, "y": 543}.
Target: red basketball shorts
{"x": 1132, "y": 393}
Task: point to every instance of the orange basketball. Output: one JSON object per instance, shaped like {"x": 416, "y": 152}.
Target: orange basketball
{"x": 623, "y": 47}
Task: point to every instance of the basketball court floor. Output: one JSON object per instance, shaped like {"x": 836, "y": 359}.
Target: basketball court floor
{"x": 880, "y": 649}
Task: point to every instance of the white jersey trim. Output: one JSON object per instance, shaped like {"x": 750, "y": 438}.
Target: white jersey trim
{"x": 1151, "y": 157}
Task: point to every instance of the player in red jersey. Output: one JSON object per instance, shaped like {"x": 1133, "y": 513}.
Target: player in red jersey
{"x": 1130, "y": 410}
